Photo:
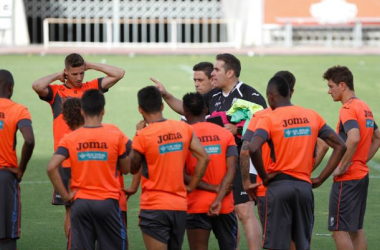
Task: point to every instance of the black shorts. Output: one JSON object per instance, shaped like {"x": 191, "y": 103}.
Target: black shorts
{"x": 97, "y": 221}
{"x": 347, "y": 206}
{"x": 261, "y": 209}
{"x": 240, "y": 196}
{"x": 224, "y": 227}
{"x": 10, "y": 208}
{"x": 57, "y": 199}
{"x": 290, "y": 214}
{"x": 166, "y": 226}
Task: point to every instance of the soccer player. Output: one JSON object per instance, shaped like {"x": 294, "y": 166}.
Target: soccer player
{"x": 71, "y": 111}
{"x": 292, "y": 133}
{"x": 228, "y": 88}
{"x": 211, "y": 209}
{"x": 161, "y": 149}
{"x": 322, "y": 149}
{"x": 13, "y": 117}
{"x": 95, "y": 155}
{"x": 72, "y": 78}
{"x": 259, "y": 193}
{"x": 357, "y": 127}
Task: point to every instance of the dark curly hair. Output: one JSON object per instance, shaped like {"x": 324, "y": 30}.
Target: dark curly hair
{"x": 71, "y": 113}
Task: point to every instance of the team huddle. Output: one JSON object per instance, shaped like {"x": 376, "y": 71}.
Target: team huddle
{"x": 205, "y": 172}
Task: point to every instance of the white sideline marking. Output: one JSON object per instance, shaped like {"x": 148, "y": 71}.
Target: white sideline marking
{"x": 33, "y": 182}
{"x": 374, "y": 165}
{"x": 186, "y": 68}
{"x": 326, "y": 235}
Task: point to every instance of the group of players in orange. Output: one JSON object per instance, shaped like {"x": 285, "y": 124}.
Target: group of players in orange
{"x": 195, "y": 176}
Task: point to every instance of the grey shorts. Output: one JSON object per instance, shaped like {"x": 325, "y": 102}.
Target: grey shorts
{"x": 261, "y": 208}
{"x": 224, "y": 227}
{"x": 348, "y": 200}
{"x": 240, "y": 196}
{"x": 57, "y": 199}
{"x": 166, "y": 226}
{"x": 97, "y": 221}
{"x": 289, "y": 214}
{"x": 10, "y": 208}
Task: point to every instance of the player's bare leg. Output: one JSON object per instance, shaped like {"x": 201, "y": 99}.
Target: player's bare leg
{"x": 198, "y": 238}
{"x": 358, "y": 240}
{"x": 67, "y": 221}
{"x": 342, "y": 240}
{"x": 251, "y": 226}
{"x": 153, "y": 244}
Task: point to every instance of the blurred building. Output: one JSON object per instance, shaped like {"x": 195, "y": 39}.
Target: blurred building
{"x": 191, "y": 23}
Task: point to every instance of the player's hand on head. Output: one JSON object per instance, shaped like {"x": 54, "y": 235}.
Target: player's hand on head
{"x": 86, "y": 65}
{"x": 62, "y": 77}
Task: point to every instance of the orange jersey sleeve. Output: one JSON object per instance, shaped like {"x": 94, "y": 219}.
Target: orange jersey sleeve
{"x": 57, "y": 94}
{"x": 265, "y": 150}
{"x": 12, "y": 117}
{"x": 291, "y": 133}
{"x": 165, "y": 146}
{"x": 93, "y": 154}
{"x": 355, "y": 113}
{"x": 219, "y": 145}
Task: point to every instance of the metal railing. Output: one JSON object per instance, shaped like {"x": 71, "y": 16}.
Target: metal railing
{"x": 169, "y": 33}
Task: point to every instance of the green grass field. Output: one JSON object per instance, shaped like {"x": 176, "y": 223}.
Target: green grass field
{"x": 42, "y": 223}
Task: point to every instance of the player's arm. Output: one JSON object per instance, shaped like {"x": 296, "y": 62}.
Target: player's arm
{"x": 173, "y": 102}
{"x": 202, "y": 184}
{"x": 55, "y": 178}
{"x": 136, "y": 159}
{"x": 40, "y": 86}
{"x": 256, "y": 158}
{"x": 200, "y": 153}
{"x": 353, "y": 138}
{"x": 134, "y": 185}
{"x": 225, "y": 186}
{"x": 245, "y": 164}
{"x": 339, "y": 148}
{"x": 124, "y": 164}
{"x": 322, "y": 149}
{"x": 27, "y": 150}
{"x": 114, "y": 74}
{"x": 375, "y": 144}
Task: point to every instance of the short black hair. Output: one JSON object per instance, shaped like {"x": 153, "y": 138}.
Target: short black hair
{"x": 230, "y": 62}
{"x": 74, "y": 60}
{"x": 205, "y": 67}
{"x": 290, "y": 78}
{"x": 194, "y": 103}
{"x": 340, "y": 74}
{"x": 71, "y": 113}
{"x": 93, "y": 102}
{"x": 149, "y": 99}
{"x": 281, "y": 85}
{"x": 6, "y": 79}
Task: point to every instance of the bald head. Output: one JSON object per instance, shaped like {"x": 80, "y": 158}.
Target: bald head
{"x": 6, "y": 83}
